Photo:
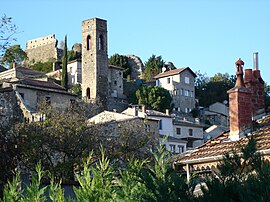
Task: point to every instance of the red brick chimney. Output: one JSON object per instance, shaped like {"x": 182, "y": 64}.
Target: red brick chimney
{"x": 254, "y": 82}
{"x": 240, "y": 104}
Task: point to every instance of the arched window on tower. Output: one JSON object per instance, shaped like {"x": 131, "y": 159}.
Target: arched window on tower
{"x": 100, "y": 43}
{"x": 88, "y": 93}
{"x": 88, "y": 42}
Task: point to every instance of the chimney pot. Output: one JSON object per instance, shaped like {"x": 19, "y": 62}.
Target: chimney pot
{"x": 167, "y": 112}
{"x": 248, "y": 75}
{"x": 255, "y": 61}
{"x": 14, "y": 64}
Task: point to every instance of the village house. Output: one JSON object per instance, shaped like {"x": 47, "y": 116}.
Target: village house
{"x": 246, "y": 101}
{"x": 176, "y": 135}
{"x": 181, "y": 85}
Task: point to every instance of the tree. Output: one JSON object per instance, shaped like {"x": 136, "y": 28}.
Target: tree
{"x": 213, "y": 89}
{"x": 7, "y": 31}
{"x": 64, "y": 81}
{"x": 154, "y": 97}
{"x": 13, "y": 54}
{"x": 9, "y": 154}
{"x": 121, "y": 61}
{"x": 153, "y": 67}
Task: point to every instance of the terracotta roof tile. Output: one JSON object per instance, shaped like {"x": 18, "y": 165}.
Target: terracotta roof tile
{"x": 221, "y": 144}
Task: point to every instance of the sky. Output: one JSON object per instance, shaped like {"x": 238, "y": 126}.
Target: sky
{"x": 205, "y": 35}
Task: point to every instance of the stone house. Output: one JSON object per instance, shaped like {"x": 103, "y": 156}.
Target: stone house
{"x": 246, "y": 101}
{"x": 27, "y": 88}
{"x": 181, "y": 85}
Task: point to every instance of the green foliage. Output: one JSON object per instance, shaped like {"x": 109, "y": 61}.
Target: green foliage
{"x": 76, "y": 89}
{"x": 64, "y": 80}
{"x": 267, "y": 95}
{"x": 73, "y": 55}
{"x": 241, "y": 177}
{"x": 96, "y": 181}
{"x": 153, "y": 67}
{"x": 13, "y": 54}
{"x": 7, "y": 31}
{"x": 121, "y": 61}
{"x": 154, "y": 97}
{"x": 43, "y": 66}
{"x": 162, "y": 182}
{"x": 213, "y": 89}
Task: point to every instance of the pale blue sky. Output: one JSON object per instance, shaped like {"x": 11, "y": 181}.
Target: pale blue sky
{"x": 205, "y": 35}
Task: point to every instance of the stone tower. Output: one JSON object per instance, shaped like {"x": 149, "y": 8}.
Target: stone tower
{"x": 95, "y": 60}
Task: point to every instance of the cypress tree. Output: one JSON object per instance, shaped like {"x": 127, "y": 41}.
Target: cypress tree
{"x": 64, "y": 81}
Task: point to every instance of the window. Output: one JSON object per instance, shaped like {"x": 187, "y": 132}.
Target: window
{"x": 100, "y": 43}
{"x": 172, "y": 148}
{"x": 157, "y": 82}
{"x": 178, "y": 131}
{"x": 190, "y": 132}
{"x": 168, "y": 80}
{"x": 187, "y": 80}
{"x": 115, "y": 82}
{"x": 48, "y": 100}
{"x": 186, "y": 92}
{"x": 22, "y": 95}
{"x": 147, "y": 127}
{"x": 88, "y": 42}
{"x": 88, "y": 93}
{"x": 160, "y": 124}
{"x": 180, "y": 148}
{"x": 182, "y": 91}
{"x": 191, "y": 94}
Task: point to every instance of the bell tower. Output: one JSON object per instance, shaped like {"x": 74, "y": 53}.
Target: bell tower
{"x": 95, "y": 60}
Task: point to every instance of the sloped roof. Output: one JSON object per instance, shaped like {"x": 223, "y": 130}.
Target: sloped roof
{"x": 173, "y": 72}
{"x": 216, "y": 148}
{"x": 38, "y": 83}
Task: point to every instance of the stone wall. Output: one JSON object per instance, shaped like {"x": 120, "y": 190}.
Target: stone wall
{"x": 43, "y": 49}
{"x": 11, "y": 109}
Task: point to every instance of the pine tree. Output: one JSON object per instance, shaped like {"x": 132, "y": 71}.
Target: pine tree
{"x": 64, "y": 81}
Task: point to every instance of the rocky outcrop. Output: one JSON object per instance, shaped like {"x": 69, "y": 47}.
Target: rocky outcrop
{"x": 136, "y": 65}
